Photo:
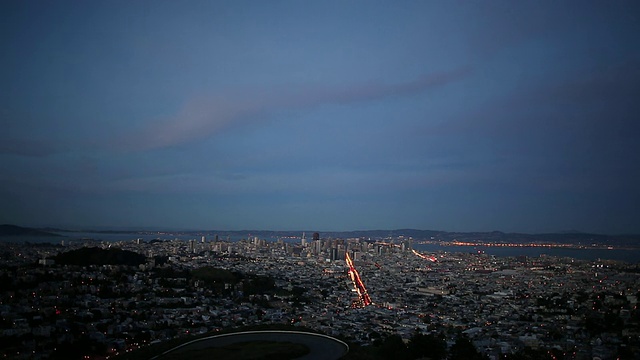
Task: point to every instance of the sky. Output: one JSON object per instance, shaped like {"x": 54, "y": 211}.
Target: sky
{"x": 519, "y": 116}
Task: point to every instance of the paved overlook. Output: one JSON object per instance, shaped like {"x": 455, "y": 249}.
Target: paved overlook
{"x": 321, "y": 347}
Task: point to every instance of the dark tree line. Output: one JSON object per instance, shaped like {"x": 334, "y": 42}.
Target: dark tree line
{"x": 95, "y": 256}
{"x": 420, "y": 346}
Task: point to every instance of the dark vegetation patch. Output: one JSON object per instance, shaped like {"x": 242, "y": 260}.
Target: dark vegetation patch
{"x": 95, "y": 256}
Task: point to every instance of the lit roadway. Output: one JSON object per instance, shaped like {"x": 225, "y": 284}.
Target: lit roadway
{"x": 430, "y": 258}
{"x": 320, "y": 346}
{"x": 357, "y": 282}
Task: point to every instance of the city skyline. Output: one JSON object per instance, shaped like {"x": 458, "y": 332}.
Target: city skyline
{"x": 518, "y": 117}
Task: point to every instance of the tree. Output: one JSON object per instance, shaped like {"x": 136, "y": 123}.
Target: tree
{"x": 430, "y": 346}
{"x": 463, "y": 349}
{"x": 394, "y": 348}
{"x": 528, "y": 354}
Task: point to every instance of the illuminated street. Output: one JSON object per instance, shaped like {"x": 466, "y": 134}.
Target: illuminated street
{"x": 363, "y": 296}
{"x": 430, "y": 258}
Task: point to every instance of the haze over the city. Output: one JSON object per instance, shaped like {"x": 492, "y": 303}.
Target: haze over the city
{"x": 324, "y": 115}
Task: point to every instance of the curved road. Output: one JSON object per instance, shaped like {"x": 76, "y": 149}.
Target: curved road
{"x": 320, "y": 346}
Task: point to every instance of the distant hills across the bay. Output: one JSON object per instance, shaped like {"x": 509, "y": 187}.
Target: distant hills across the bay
{"x": 14, "y": 230}
{"x": 418, "y": 235}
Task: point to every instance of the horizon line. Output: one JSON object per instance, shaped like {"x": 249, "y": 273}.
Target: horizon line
{"x": 151, "y": 229}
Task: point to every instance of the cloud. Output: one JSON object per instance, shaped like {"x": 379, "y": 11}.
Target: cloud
{"x": 205, "y": 116}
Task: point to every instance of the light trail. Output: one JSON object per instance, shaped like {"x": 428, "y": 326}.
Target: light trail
{"x": 357, "y": 282}
{"x": 430, "y": 258}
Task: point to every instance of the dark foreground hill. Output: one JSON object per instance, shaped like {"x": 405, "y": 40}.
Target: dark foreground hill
{"x": 96, "y": 256}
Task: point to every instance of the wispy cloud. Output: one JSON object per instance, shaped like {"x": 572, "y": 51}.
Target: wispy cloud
{"x": 203, "y": 117}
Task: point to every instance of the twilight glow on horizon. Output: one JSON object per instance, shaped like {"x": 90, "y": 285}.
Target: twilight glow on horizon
{"x": 321, "y": 115}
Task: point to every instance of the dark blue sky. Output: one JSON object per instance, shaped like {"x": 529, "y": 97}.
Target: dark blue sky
{"x": 321, "y": 115}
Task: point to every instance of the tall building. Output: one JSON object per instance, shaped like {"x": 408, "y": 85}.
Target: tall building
{"x": 318, "y": 247}
{"x": 333, "y": 255}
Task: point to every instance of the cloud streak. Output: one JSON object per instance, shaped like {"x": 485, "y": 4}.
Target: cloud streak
{"x": 203, "y": 117}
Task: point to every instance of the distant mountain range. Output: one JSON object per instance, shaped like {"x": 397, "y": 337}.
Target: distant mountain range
{"x": 13, "y": 230}
{"x": 571, "y": 237}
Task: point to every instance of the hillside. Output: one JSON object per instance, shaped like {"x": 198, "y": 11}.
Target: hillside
{"x": 97, "y": 256}
{"x": 14, "y": 230}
